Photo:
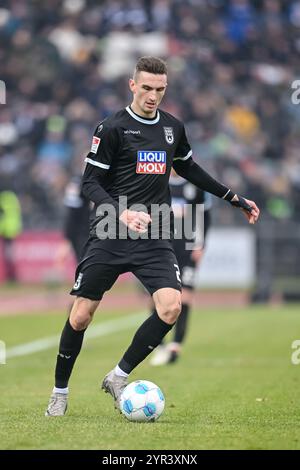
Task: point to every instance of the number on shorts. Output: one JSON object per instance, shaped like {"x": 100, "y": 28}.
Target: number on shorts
{"x": 177, "y": 272}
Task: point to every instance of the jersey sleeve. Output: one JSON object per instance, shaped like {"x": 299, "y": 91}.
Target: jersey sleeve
{"x": 183, "y": 150}
{"x": 105, "y": 145}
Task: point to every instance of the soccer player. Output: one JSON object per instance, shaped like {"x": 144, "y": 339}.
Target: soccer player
{"x": 127, "y": 176}
{"x": 191, "y": 207}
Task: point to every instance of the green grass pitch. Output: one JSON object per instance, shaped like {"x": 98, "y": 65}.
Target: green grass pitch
{"x": 234, "y": 387}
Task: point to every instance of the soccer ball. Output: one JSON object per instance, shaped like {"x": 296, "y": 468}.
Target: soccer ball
{"x": 142, "y": 401}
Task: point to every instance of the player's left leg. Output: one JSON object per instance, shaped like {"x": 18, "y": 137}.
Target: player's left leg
{"x": 167, "y": 302}
{"x": 149, "y": 335}
{"x": 161, "y": 270}
{"x": 169, "y": 353}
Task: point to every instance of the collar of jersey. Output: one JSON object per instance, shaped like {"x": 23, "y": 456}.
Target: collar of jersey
{"x": 140, "y": 119}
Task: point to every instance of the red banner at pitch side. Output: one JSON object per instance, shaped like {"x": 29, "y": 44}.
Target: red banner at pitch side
{"x": 40, "y": 257}
{"x": 36, "y": 258}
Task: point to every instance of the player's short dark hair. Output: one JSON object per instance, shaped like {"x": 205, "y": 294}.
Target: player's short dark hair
{"x": 151, "y": 65}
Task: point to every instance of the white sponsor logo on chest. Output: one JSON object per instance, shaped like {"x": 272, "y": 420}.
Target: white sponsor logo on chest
{"x": 151, "y": 162}
{"x": 130, "y": 131}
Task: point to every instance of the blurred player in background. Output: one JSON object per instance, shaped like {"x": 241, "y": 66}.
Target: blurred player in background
{"x": 10, "y": 228}
{"x": 185, "y": 196}
{"x": 77, "y": 220}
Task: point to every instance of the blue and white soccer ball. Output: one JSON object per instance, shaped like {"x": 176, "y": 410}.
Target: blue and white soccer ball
{"x": 142, "y": 401}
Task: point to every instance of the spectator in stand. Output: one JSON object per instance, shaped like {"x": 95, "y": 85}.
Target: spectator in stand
{"x": 241, "y": 58}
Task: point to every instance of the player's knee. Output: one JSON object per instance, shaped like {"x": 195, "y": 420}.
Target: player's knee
{"x": 82, "y": 313}
{"x": 170, "y": 313}
{"x": 80, "y": 320}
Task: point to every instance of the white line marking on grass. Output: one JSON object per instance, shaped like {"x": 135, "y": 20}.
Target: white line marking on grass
{"x": 94, "y": 331}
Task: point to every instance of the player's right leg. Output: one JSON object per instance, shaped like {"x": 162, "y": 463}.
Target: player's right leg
{"x": 93, "y": 278}
{"x": 69, "y": 348}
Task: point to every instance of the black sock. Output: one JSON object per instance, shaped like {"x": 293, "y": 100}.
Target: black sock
{"x": 69, "y": 348}
{"x": 181, "y": 324}
{"x": 162, "y": 340}
{"x": 147, "y": 337}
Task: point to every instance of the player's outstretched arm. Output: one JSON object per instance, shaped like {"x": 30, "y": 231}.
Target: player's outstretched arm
{"x": 193, "y": 173}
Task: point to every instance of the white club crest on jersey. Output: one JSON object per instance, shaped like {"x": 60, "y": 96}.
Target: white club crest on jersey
{"x": 169, "y": 135}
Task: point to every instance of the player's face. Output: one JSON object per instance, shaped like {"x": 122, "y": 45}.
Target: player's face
{"x": 148, "y": 90}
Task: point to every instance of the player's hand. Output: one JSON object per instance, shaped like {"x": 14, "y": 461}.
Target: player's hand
{"x": 248, "y": 207}
{"x": 136, "y": 221}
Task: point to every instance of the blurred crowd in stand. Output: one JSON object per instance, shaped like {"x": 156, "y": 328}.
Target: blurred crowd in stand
{"x": 231, "y": 64}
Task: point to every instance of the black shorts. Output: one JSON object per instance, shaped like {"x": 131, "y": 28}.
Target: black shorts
{"x": 186, "y": 264}
{"x": 153, "y": 262}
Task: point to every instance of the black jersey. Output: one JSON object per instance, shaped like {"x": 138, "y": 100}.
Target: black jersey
{"x": 137, "y": 155}
{"x": 131, "y": 157}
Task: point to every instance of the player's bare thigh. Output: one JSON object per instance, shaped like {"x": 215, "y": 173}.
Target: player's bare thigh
{"x": 167, "y": 302}
{"x": 82, "y": 313}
